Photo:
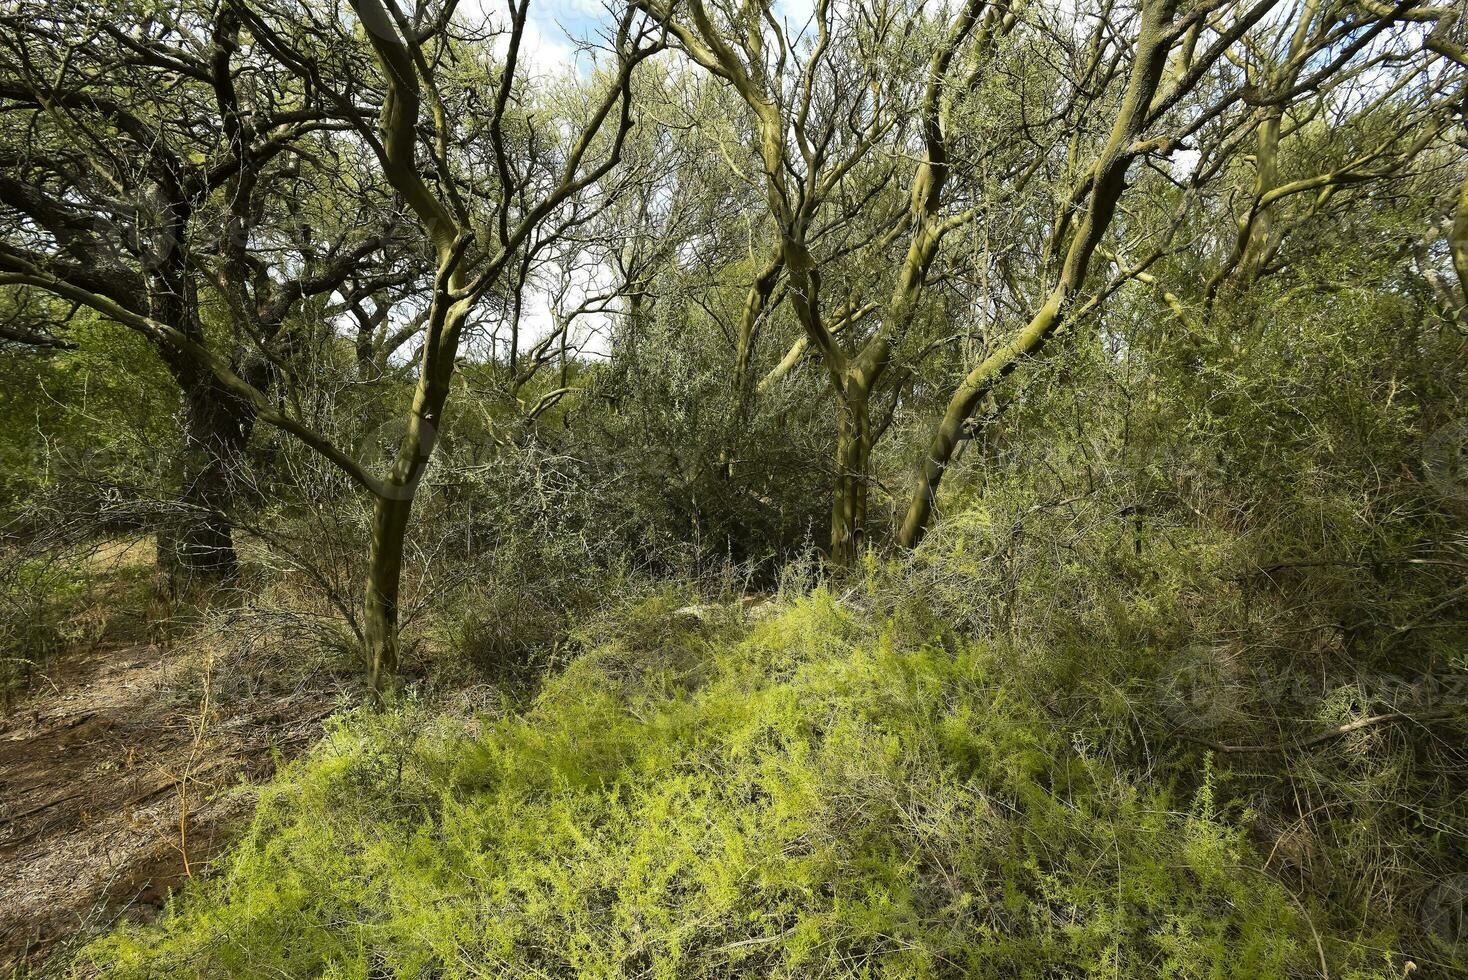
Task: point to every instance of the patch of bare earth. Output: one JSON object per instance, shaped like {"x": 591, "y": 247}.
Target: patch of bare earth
{"x": 112, "y": 792}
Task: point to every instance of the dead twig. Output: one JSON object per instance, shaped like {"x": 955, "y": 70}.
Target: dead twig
{"x": 1325, "y": 736}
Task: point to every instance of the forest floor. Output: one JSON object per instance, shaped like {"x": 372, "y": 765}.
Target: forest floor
{"x": 114, "y": 788}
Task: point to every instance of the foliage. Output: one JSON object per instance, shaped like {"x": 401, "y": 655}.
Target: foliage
{"x": 1081, "y": 385}
{"x": 53, "y": 603}
{"x": 824, "y": 796}
{"x": 83, "y": 428}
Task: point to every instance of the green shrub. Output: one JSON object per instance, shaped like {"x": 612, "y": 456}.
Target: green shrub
{"x": 819, "y": 797}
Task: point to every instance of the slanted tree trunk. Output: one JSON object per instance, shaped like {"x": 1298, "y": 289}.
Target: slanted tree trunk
{"x": 1109, "y": 183}
{"x": 973, "y": 390}
{"x": 742, "y": 395}
{"x": 456, "y": 289}
{"x": 756, "y": 302}
{"x": 394, "y": 496}
{"x": 1458, "y": 239}
{"x": 1257, "y": 239}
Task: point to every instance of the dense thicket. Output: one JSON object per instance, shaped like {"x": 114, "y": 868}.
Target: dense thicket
{"x": 1080, "y": 383}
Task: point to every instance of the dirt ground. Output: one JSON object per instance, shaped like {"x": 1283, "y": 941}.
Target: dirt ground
{"x": 110, "y": 794}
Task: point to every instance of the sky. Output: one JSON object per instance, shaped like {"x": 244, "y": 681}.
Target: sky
{"x": 553, "y": 24}
{"x": 553, "y": 27}
{"x": 553, "y": 31}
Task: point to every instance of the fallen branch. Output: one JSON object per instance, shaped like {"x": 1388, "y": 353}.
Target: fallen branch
{"x": 1325, "y": 736}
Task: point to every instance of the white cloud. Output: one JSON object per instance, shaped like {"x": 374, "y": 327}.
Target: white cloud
{"x": 551, "y": 28}
{"x": 546, "y": 52}
{"x": 1183, "y": 162}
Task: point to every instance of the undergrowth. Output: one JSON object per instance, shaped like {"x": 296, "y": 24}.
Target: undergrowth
{"x": 48, "y": 606}
{"x": 832, "y": 792}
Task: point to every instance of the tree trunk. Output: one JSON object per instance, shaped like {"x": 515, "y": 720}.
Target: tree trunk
{"x": 1458, "y": 239}
{"x": 198, "y": 548}
{"x": 394, "y": 501}
{"x": 384, "y": 575}
{"x": 974, "y": 389}
{"x": 849, "y": 501}
{"x": 755, "y": 304}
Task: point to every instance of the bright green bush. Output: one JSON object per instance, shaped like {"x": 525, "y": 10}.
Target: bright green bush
{"x": 815, "y": 798}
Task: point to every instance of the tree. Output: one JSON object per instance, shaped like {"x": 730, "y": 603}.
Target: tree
{"x": 495, "y": 174}
{"x": 135, "y": 180}
{"x": 1158, "y": 115}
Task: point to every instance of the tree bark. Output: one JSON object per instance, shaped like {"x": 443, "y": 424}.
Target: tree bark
{"x": 1458, "y": 239}
{"x": 980, "y": 381}
{"x": 198, "y": 549}
{"x": 755, "y": 304}
{"x": 384, "y": 576}
{"x": 853, "y": 455}
{"x": 394, "y": 495}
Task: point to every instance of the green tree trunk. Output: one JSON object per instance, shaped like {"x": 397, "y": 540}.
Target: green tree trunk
{"x": 853, "y": 457}
{"x": 395, "y": 494}
{"x": 1107, "y": 186}
{"x": 384, "y": 577}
